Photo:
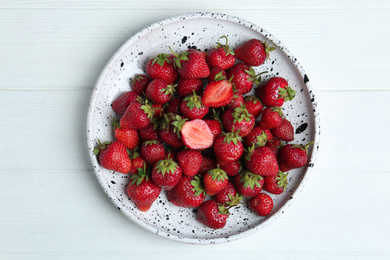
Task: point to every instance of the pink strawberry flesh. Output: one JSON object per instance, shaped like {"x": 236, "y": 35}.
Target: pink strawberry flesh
{"x": 196, "y": 134}
{"x": 218, "y": 93}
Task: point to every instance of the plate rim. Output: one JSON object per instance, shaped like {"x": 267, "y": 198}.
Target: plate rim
{"x": 193, "y": 16}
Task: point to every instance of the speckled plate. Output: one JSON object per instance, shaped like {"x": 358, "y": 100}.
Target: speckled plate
{"x": 201, "y": 31}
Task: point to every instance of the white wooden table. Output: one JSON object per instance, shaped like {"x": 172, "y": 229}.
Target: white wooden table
{"x": 52, "y": 206}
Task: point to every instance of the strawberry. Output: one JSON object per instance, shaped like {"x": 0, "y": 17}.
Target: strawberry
{"x": 212, "y": 215}
{"x": 152, "y": 151}
{"x": 173, "y": 106}
{"x": 137, "y": 116}
{"x": 261, "y": 161}
{"x": 207, "y": 164}
{"x": 128, "y": 137}
{"x": 248, "y": 184}
{"x": 232, "y": 168}
{"x": 192, "y": 64}
{"x": 276, "y": 184}
{"x": 243, "y": 77}
{"x": 257, "y": 136}
{"x": 170, "y": 153}
{"x": 275, "y": 92}
{"x": 238, "y": 120}
{"x": 253, "y": 52}
{"x": 188, "y": 192}
{"x": 137, "y": 162}
{"x": 293, "y": 156}
{"x": 216, "y": 74}
{"x": 221, "y": 56}
{"x": 262, "y": 204}
{"x": 113, "y": 156}
{"x": 169, "y": 131}
{"x": 214, "y": 181}
{"x": 161, "y": 67}
{"x": 228, "y": 196}
{"x": 284, "y": 132}
{"x": 140, "y": 83}
{"x": 237, "y": 101}
{"x": 218, "y": 93}
{"x": 149, "y": 133}
{"x": 196, "y": 135}
{"x": 158, "y": 109}
{"x": 271, "y": 117}
{"x": 166, "y": 173}
{"x": 123, "y": 101}
{"x": 253, "y": 105}
{"x": 274, "y": 145}
{"x": 215, "y": 127}
{"x": 190, "y": 161}
{"x": 142, "y": 190}
{"x": 228, "y": 147}
{"x": 159, "y": 91}
{"x": 187, "y": 87}
{"x": 193, "y": 108}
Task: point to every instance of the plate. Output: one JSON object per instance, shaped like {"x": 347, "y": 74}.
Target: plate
{"x": 200, "y": 31}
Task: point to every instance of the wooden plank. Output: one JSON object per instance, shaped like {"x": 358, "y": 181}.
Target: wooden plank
{"x": 67, "y": 49}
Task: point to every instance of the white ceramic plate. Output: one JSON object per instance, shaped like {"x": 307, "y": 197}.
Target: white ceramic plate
{"x": 201, "y": 31}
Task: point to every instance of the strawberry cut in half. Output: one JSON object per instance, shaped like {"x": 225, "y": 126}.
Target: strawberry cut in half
{"x": 197, "y": 135}
{"x": 218, "y": 93}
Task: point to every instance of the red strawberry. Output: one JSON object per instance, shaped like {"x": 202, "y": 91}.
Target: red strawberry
{"x": 293, "y": 156}
{"x": 238, "y": 120}
{"x": 128, "y": 137}
{"x": 166, "y": 174}
{"x": 188, "y": 193}
{"x": 216, "y": 74}
{"x": 261, "y": 161}
{"x": 228, "y": 147}
{"x": 169, "y": 131}
{"x": 237, "y": 101}
{"x": 214, "y": 181}
{"x": 140, "y": 83}
{"x": 192, "y": 64}
{"x": 173, "y": 106}
{"x": 221, "y": 56}
{"x": 276, "y": 184}
{"x": 196, "y": 135}
{"x": 215, "y": 127}
{"x": 253, "y": 105}
{"x": 253, "y": 52}
{"x": 137, "y": 116}
{"x": 243, "y": 77}
{"x": 248, "y": 184}
{"x": 123, "y": 101}
{"x": 228, "y": 196}
{"x": 206, "y": 165}
{"x": 170, "y": 153}
{"x": 232, "y": 168}
{"x": 190, "y": 161}
{"x": 152, "y": 151}
{"x": 218, "y": 93}
{"x": 187, "y": 87}
{"x": 284, "y": 132}
{"x": 137, "y": 162}
{"x": 159, "y": 91}
{"x": 274, "y": 145}
{"x": 158, "y": 109}
{"x": 193, "y": 108}
{"x": 142, "y": 190}
{"x": 262, "y": 204}
{"x": 212, "y": 215}
{"x": 161, "y": 67}
{"x": 149, "y": 133}
{"x": 275, "y": 91}
{"x": 272, "y": 117}
{"x": 113, "y": 156}
{"x": 257, "y": 136}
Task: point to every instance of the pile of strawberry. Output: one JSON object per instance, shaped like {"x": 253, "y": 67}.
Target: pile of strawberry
{"x": 187, "y": 128}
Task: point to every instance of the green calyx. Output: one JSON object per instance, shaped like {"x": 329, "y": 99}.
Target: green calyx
{"x": 148, "y": 109}
{"x": 217, "y": 174}
{"x": 240, "y": 114}
{"x": 249, "y": 152}
{"x": 261, "y": 139}
{"x": 282, "y": 180}
{"x": 101, "y": 146}
{"x": 178, "y": 124}
{"x": 197, "y": 186}
{"x": 253, "y": 99}
{"x": 166, "y": 166}
{"x": 160, "y": 59}
{"x": 303, "y": 147}
{"x": 278, "y": 110}
{"x": 146, "y": 143}
{"x": 143, "y": 174}
{"x": 169, "y": 89}
{"x": 219, "y": 76}
{"x": 225, "y": 46}
{"x": 179, "y": 57}
{"x": 287, "y": 93}
{"x": 115, "y": 123}
{"x": 250, "y": 179}
{"x": 268, "y": 49}
{"x": 231, "y": 137}
{"x": 194, "y": 101}
{"x": 256, "y": 78}
{"x": 234, "y": 200}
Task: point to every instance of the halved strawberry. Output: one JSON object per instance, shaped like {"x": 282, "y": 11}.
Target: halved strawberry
{"x": 218, "y": 93}
{"x": 196, "y": 134}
